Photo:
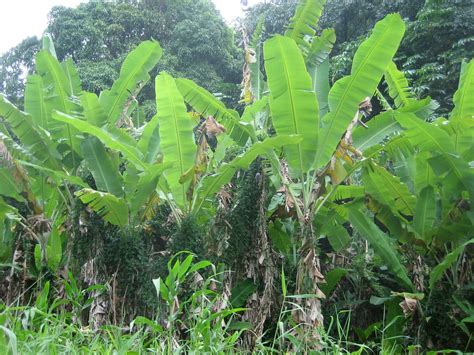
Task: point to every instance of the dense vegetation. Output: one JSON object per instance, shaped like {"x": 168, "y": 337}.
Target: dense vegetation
{"x": 147, "y": 205}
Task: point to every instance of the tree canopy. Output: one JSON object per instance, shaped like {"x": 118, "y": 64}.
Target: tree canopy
{"x": 98, "y": 34}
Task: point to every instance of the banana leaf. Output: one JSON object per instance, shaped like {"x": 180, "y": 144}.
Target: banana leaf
{"x": 176, "y": 135}
{"x": 381, "y": 244}
{"x": 370, "y": 62}
{"x": 398, "y": 87}
{"x": 111, "y": 141}
{"x": 303, "y": 24}
{"x": 111, "y": 208}
{"x": 203, "y": 102}
{"x": 104, "y": 169}
{"x": 388, "y": 189}
{"x": 293, "y": 104}
{"x": 134, "y": 72}
{"x": 464, "y": 97}
{"x": 29, "y": 135}
{"x": 210, "y": 184}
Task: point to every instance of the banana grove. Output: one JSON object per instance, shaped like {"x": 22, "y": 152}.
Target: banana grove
{"x": 360, "y": 167}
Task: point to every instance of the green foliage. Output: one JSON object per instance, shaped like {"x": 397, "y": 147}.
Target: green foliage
{"x": 111, "y": 208}
{"x": 370, "y": 61}
{"x": 98, "y": 35}
{"x": 203, "y": 102}
{"x": 302, "y": 25}
{"x": 381, "y": 245}
{"x": 357, "y": 214}
{"x": 243, "y": 218}
{"x": 189, "y": 235}
{"x": 176, "y": 132}
{"x": 134, "y": 71}
{"x": 293, "y": 105}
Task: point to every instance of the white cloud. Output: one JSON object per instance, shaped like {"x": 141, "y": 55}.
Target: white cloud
{"x": 23, "y": 18}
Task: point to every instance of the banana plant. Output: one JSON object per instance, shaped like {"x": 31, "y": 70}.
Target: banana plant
{"x": 178, "y": 147}
{"x": 296, "y": 68}
{"x": 413, "y": 169}
{"x": 65, "y": 130}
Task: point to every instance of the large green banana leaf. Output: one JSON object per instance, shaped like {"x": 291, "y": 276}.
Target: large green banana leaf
{"x": 146, "y": 185}
{"x": 256, "y": 113}
{"x": 423, "y": 109}
{"x": 457, "y": 175}
{"x": 258, "y": 84}
{"x": 320, "y": 79}
{"x": 149, "y": 143}
{"x": 425, "y": 212}
{"x": 424, "y": 173}
{"x": 104, "y": 169}
{"x": 464, "y": 96}
{"x": 293, "y": 104}
{"x": 398, "y": 87}
{"x": 8, "y": 186}
{"x": 93, "y": 111}
{"x": 257, "y": 81}
{"x": 110, "y": 140}
{"x": 58, "y": 176}
{"x": 75, "y": 85}
{"x": 370, "y": 62}
{"x": 176, "y": 135}
{"x": 461, "y": 123}
{"x": 59, "y": 92}
{"x": 48, "y": 44}
{"x": 317, "y": 63}
{"x": 134, "y": 72}
{"x": 50, "y": 69}
{"x": 381, "y": 243}
{"x": 303, "y": 24}
{"x": 211, "y": 184}
{"x": 429, "y": 137}
{"x": 379, "y": 127}
{"x": 111, "y": 208}
{"x": 35, "y": 102}
{"x": 206, "y": 104}
{"x": 388, "y": 189}
{"x": 32, "y": 139}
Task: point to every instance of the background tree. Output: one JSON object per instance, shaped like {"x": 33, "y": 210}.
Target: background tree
{"x": 97, "y": 35}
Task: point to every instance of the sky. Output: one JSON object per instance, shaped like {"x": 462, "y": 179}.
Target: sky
{"x": 22, "y": 18}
